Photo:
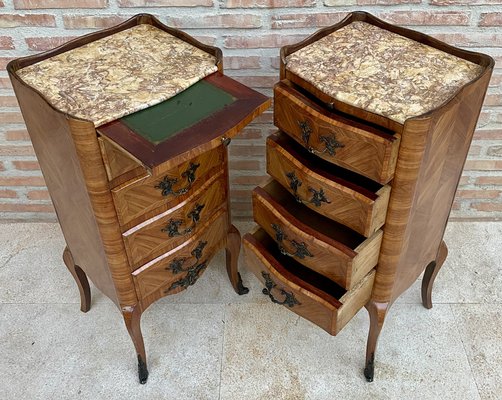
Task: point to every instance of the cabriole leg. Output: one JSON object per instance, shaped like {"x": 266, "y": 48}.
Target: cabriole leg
{"x": 377, "y": 312}
{"x": 80, "y": 279}
{"x": 232, "y": 260}
{"x": 132, "y": 318}
{"x": 430, "y": 275}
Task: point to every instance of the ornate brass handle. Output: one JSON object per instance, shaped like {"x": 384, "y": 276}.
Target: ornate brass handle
{"x": 318, "y": 196}
{"x": 330, "y": 142}
{"x": 167, "y": 183}
{"x": 301, "y": 250}
{"x": 192, "y": 273}
{"x": 172, "y": 227}
{"x": 289, "y": 297}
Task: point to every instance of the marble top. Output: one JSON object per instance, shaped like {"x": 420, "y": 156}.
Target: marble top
{"x": 380, "y": 71}
{"x": 119, "y": 74}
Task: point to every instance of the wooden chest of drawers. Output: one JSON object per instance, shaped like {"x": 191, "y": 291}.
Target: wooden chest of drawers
{"x": 141, "y": 193}
{"x": 365, "y": 166}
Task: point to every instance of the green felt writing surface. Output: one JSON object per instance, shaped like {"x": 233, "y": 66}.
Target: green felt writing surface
{"x": 166, "y": 119}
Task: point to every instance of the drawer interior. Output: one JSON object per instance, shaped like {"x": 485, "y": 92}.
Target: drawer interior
{"x": 335, "y": 231}
{"x": 356, "y": 182}
{"x": 295, "y": 272}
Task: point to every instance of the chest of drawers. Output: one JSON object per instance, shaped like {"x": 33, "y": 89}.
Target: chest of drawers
{"x": 375, "y": 122}
{"x": 131, "y": 126}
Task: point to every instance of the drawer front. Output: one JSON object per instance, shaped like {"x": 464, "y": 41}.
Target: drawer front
{"x": 181, "y": 267}
{"x": 364, "y": 150}
{"x": 303, "y": 293}
{"x": 359, "y": 210}
{"x": 342, "y": 260}
{"x": 119, "y": 166}
{"x": 171, "y": 228}
{"x": 135, "y": 200}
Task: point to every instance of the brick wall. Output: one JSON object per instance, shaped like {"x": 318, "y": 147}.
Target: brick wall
{"x": 250, "y": 33}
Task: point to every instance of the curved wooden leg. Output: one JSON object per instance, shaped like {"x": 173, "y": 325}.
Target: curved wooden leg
{"x": 132, "y": 318}
{"x": 377, "y": 312}
{"x": 80, "y": 278}
{"x": 232, "y": 260}
{"x": 430, "y": 275}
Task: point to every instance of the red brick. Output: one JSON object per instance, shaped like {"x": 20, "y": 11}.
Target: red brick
{"x": 6, "y": 43}
{"x": 5, "y": 83}
{"x": 26, "y": 165}
{"x": 250, "y": 133}
{"x": 240, "y": 194}
{"x": 260, "y": 41}
{"x": 249, "y": 179}
{"x": 464, "y": 180}
{"x": 421, "y": 18}
{"x": 2, "y": 167}
{"x": 489, "y": 180}
{"x": 11, "y": 150}
{"x": 496, "y": 80}
{"x": 386, "y": 2}
{"x": 46, "y": 43}
{"x": 483, "y": 165}
{"x": 478, "y": 194}
{"x": 92, "y": 21}
{"x": 4, "y": 61}
{"x": 462, "y": 2}
{"x": 15, "y": 20}
{"x": 16, "y": 135}
{"x": 22, "y": 181}
{"x": 242, "y": 206}
{"x": 245, "y": 165}
{"x": 306, "y": 20}
{"x": 247, "y": 151}
{"x": 265, "y": 118}
{"x": 217, "y": 21}
{"x": 8, "y": 101}
{"x": 493, "y": 100}
{"x": 474, "y": 150}
{"x": 490, "y": 19}
{"x": 164, "y": 3}
{"x": 8, "y": 194}
{"x": 257, "y": 81}
{"x": 11, "y": 117}
{"x": 241, "y": 62}
{"x": 268, "y": 3}
{"x": 13, "y": 207}
{"x": 210, "y": 40}
{"x": 471, "y": 39}
{"x": 37, "y": 4}
{"x": 38, "y": 195}
{"x": 490, "y": 207}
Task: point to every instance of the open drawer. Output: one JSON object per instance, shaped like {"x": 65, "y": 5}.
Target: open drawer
{"x": 302, "y": 290}
{"x": 333, "y": 250}
{"x": 341, "y": 195}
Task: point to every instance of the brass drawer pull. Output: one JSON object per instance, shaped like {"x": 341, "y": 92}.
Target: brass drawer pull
{"x": 301, "y": 250}
{"x": 289, "y": 297}
{"x": 330, "y": 142}
{"x": 192, "y": 273}
{"x": 318, "y": 196}
{"x": 167, "y": 183}
{"x": 172, "y": 227}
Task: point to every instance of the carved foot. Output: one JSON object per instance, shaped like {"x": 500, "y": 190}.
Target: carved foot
{"x": 377, "y": 312}
{"x": 430, "y": 275}
{"x": 142, "y": 371}
{"x": 81, "y": 280}
{"x": 232, "y": 259}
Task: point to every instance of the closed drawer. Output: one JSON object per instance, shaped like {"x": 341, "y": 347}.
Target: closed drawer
{"x": 302, "y": 290}
{"x": 120, "y": 166}
{"x": 181, "y": 267}
{"x": 172, "y": 227}
{"x": 324, "y": 246}
{"x": 367, "y": 150}
{"x": 343, "y": 196}
{"x": 137, "y": 198}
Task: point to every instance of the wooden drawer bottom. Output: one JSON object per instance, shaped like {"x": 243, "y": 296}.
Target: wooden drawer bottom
{"x": 302, "y": 290}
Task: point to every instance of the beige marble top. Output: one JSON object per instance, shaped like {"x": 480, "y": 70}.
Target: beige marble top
{"x": 380, "y": 71}
{"x": 119, "y": 74}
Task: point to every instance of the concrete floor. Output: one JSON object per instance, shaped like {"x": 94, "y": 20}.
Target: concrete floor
{"x": 208, "y": 343}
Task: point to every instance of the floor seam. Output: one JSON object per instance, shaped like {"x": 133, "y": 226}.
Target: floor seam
{"x": 465, "y": 351}
{"x": 222, "y": 348}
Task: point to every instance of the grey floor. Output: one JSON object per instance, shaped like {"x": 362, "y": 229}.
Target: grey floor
{"x": 208, "y": 343}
